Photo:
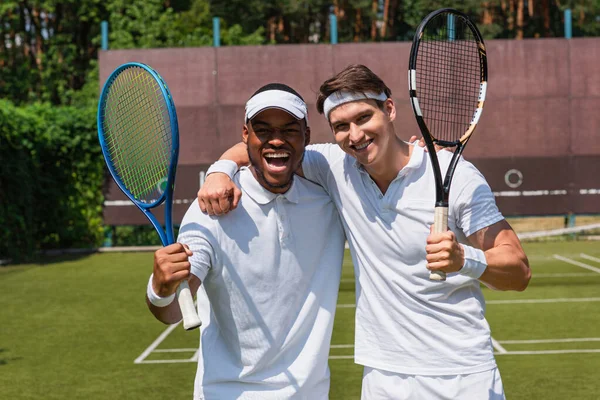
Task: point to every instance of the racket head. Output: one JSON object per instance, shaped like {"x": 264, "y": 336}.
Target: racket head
{"x": 139, "y": 134}
{"x": 447, "y": 77}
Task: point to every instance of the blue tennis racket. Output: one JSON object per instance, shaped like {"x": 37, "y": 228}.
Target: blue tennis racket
{"x": 139, "y": 135}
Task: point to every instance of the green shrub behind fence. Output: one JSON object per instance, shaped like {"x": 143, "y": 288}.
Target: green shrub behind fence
{"x": 51, "y": 179}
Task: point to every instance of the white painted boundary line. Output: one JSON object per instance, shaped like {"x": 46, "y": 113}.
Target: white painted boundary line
{"x": 572, "y": 340}
{"x": 564, "y": 275}
{"x": 520, "y": 301}
{"x": 154, "y": 345}
{"x": 577, "y": 263}
{"x": 498, "y": 346}
{"x": 588, "y": 257}
{"x": 559, "y": 300}
{"x": 557, "y": 232}
{"x": 512, "y": 353}
{"x": 174, "y": 350}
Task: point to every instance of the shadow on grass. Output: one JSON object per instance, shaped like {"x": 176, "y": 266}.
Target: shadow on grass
{"x": 4, "y": 361}
{"x": 44, "y": 259}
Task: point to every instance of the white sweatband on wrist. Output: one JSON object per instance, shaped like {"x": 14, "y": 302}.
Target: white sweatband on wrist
{"x": 340, "y": 97}
{"x": 475, "y": 262}
{"x": 227, "y": 167}
{"x": 156, "y": 299}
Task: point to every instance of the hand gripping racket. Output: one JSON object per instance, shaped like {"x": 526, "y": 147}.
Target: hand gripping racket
{"x": 139, "y": 136}
{"x": 447, "y": 78}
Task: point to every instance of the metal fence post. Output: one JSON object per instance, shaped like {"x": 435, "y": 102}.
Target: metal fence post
{"x": 568, "y": 24}
{"x": 104, "y": 31}
{"x": 333, "y": 28}
{"x": 216, "y": 32}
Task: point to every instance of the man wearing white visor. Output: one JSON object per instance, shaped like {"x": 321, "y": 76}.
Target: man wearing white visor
{"x": 267, "y": 274}
{"x": 416, "y": 338}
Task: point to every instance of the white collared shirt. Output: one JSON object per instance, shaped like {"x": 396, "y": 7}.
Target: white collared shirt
{"x": 270, "y": 273}
{"x": 406, "y": 323}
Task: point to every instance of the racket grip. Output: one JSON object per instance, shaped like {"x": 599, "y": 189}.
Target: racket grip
{"x": 440, "y": 225}
{"x": 186, "y": 305}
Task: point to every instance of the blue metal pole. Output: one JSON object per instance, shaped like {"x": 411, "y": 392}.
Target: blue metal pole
{"x": 216, "y": 32}
{"x": 333, "y": 28}
{"x": 568, "y": 24}
{"x": 451, "y": 32}
{"x": 104, "y": 30}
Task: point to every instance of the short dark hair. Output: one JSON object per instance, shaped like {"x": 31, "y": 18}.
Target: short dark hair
{"x": 277, "y": 86}
{"x": 354, "y": 78}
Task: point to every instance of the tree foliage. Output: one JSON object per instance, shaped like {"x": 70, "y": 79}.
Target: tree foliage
{"x": 51, "y": 169}
{"x": 51, "y": 179}
{"x": 48, "y": 48}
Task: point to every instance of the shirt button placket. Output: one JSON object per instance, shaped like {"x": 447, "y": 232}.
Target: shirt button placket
{"x": 282, "y": 219}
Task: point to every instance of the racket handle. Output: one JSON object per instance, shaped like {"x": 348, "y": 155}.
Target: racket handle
{"x": 440, "y": 225}
{"x": 186, "y": 305}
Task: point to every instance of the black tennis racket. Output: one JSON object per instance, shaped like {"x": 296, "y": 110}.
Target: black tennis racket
{"x": 139, "y": 136}
{"x": 447, "y": 78}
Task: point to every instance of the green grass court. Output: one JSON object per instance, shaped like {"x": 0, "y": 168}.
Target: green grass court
{"x": 74, "y": 327}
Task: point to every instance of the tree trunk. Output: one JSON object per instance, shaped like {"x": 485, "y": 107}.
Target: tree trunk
{"x": 546, "y": 14}
{"x": 374, "y": 21}
{"x": 392, "y": 18}
{"x": 520, "y": 7}
{"x": 357, "y": 25}
{"x": 386, "y": 13}
{"x": 272, "y": 26}
{"x": 511, "y": 16}
{"x": 487, "y": 18}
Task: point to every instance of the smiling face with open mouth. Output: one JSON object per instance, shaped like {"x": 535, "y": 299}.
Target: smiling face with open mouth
{"x": 276, "y": 142}
{"x": 360, "y": 129}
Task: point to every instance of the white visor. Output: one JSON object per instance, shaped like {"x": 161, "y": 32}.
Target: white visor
{"x": 338, "y": 98}
{"x": 278, "y": 99}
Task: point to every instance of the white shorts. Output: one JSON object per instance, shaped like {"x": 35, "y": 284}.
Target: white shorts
{"x": 378, "y": 384}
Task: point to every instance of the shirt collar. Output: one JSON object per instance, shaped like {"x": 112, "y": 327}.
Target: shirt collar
{"x": 261, "y": 195}
{"x": 414, "y": 162}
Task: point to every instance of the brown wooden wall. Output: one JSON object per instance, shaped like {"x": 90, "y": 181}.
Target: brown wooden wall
{"x": 542, "y": 114}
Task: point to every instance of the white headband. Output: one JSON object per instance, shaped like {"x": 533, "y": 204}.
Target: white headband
{"x": 338, "y": 98}
{"x": 279, "y": 99}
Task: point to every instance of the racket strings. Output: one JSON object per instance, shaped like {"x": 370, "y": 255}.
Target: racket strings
{"x": 449, "y": 78}
{"x": 138, "y": 133}
{"x": 134, "y": 153}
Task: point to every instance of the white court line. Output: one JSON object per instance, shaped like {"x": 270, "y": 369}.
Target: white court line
{"x": 183, "y": 360}
{"x": 559, "y": 300}
{"x": 525, "y": 352}
{"x": 341, "y": 357}
{"x": 539, "y": 275}
{"x": 174, "y": 350}
{"x": 520, "y": 301}
{"x": 579, "y": 264}
{"x": 550, "y": 341}
{"x": 342, "y": 346}
{"x": 497, "y": 346}
{"x": 588, "y": 257}
{"x": 564, "y": 275}
{"x": 155, "y": 344}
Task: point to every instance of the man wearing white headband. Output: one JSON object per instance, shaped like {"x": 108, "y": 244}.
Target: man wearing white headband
{"x": 269, "y": 270}
{"x": 416, "y": 338}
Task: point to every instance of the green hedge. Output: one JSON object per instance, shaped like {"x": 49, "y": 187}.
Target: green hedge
{"x": 51, "y": 179}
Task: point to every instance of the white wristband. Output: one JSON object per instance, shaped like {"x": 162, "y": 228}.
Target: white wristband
{"x": 156, "y": 299}
{"x": 475, "y": 262}
{"x": 227, "y": 167}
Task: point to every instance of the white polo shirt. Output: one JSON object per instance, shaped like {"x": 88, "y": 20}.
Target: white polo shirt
{"x": 406, "y": 323}
{"x": 270, "y": 273}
